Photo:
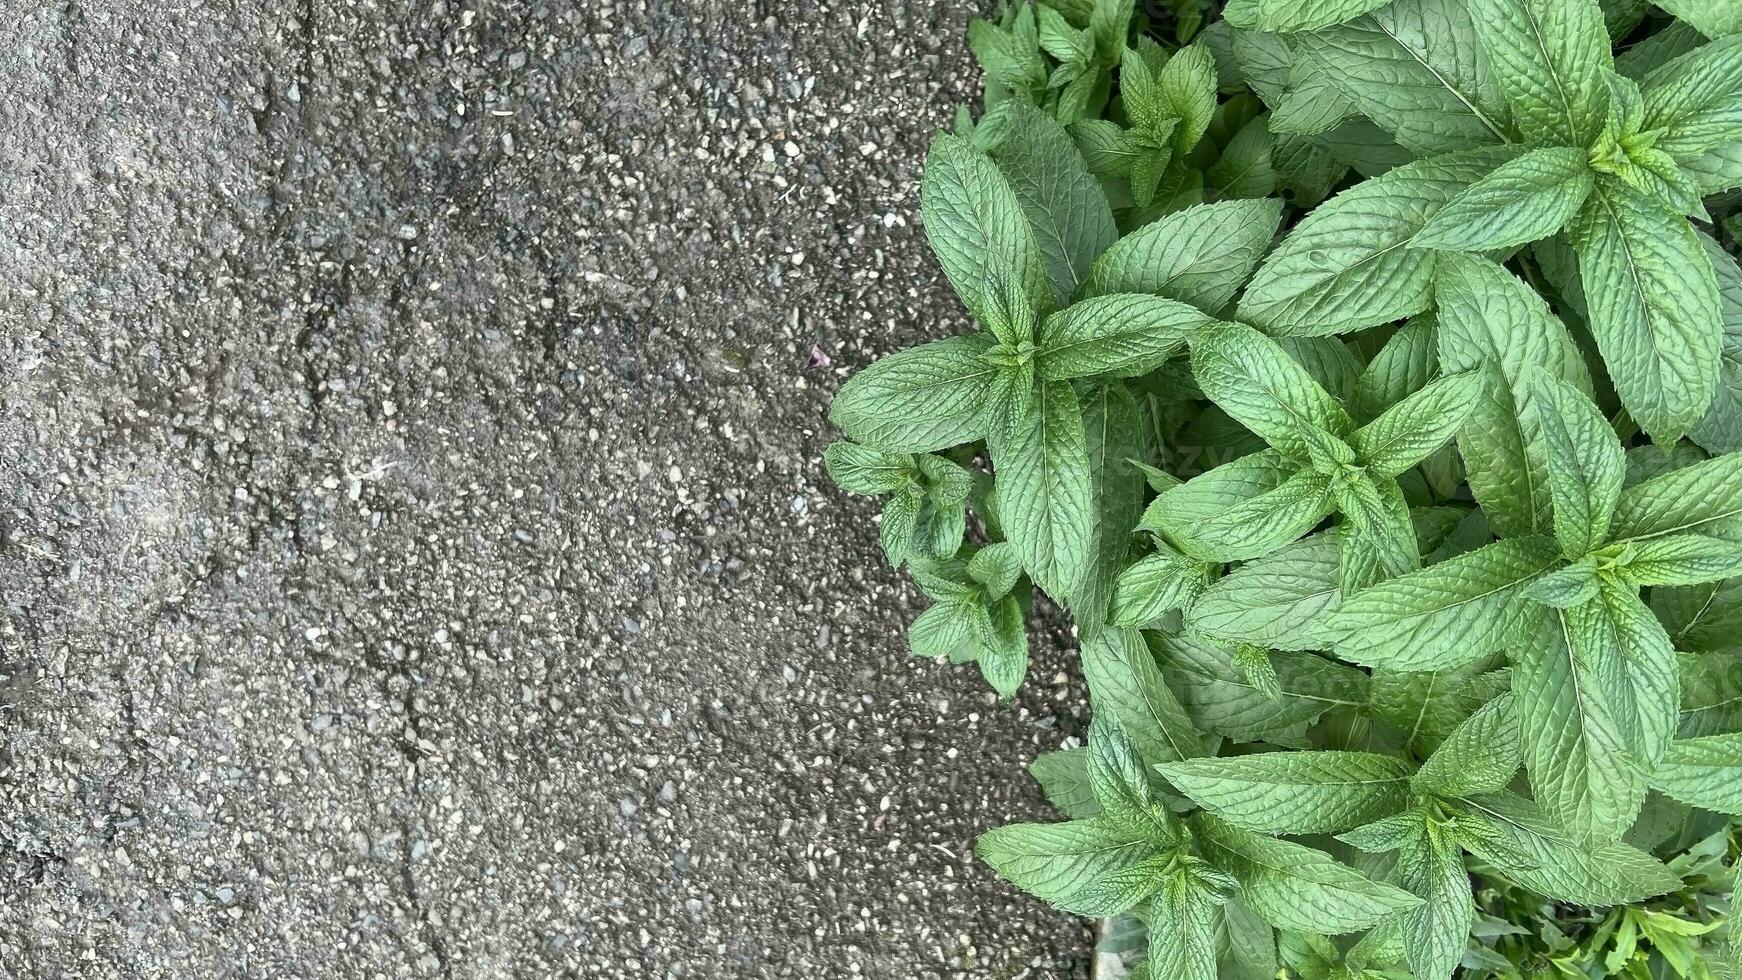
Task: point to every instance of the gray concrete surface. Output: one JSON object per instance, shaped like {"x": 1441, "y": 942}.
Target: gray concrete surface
{"x": 414, "y": 555}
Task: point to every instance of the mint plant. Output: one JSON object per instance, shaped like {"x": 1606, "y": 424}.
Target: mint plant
{"x": 1364, "y": 379}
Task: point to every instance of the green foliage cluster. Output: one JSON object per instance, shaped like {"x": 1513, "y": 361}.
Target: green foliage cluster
{"x": 1365, "y": 379}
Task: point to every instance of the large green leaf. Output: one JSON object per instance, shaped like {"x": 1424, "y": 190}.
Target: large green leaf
{"x": 1113, "y": 428}
{"x": 1408, "y": 432}
{"x": 1548, "y": 57}
{"x": 1416, "y": 69}
{"x": 1287, "y": 16}
{"x": 977, "y": 228}
{"x": 1653, "y": 302}
{"x": 1559, "y": 867}
{"x": 1181, "y": 922}
{"x": 1296, "y": 887}
{"x": 1721, "y": 430}
{"x": 1063, "y": 202}
{"x": 1704, "y": 772}
{"x": 1065, "y": 864}
{"x": 1045, "y": 493}
{"x": 1255, "y": 381}
{"x": 1295, "y": 792}
{"x": 1444, "y": 615}
{"x": 1156, "y": 583}
{"x": 1649, "y": 664}
{"x": 1569, "y": 686}
{"x": 1402, "y": 367}
{"x": 1201, "y": 255}
{"x": 922, "y": 399}
{"x": 1490, "y": 319}
{"x": 1713, "y": 18}
{"x": 1064, "y": 778}
{"x": 1704, "y": 497}
{"x": 1119, "y": 335}
{"x": 1125, "y": 681}
{"x": 1585, "y": 465}
{"x": 1479, "y": 756}
{"x": 1435, "y": 933}
{"x": 1425, "y": 707}
{"x": 1694, "y": 103}
{"x": 1523, "y": 200}
{"x": 1349, "y": 264}
{"x": 1244, "y": 509}
{"x": 1276, "y": 601}
{"x": 1222, "y": 699}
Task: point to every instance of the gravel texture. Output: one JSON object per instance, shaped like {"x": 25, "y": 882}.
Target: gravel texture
{"x": 415, "y": 559}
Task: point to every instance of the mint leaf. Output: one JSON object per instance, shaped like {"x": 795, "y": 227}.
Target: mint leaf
{"x": 1444, "y": 615}
{"x": 1156, "y": 583}
{"x": 1402, "y": 367}
{"x": 1564, "y": 588}
{"x": 1125, "y": 682}
{"x": 1250, "y": 952}
{"x": 1003, "y": 654}
{"x": 1523, "y": 200}
{"x": 1244, "y": 509}
{"x": 1296, "y": 887}
{"x": 1569, "y": 687}
{"x": 1294, "y": 792}
{"x": 1694, "y": 103}
{"x": 1113, "y": 423}
{"x": 900, "y": 523}
{"x": 863, "y": 470}
{"x": 1064, "y": 778}
{"x": 1705, "y": 497}
{"x": 1220, "y": 698}
{"x": 1186, "y": 88}
{"x": 1063, "y": 864}
{"x": 1252, "y": 379}
{"x": 1276, "y": 601}
{"x": 1415, "y": 69}
{"x": 1705, "y": 772}
{"x": 1679, "y": 559}
{"x": 1426, "y": 707}
{"x": 1066, "y": 210}
{"x": 975, "y": 224}
{"x": 1490, "y": 319}
{"x": 1287, "y": 16}
{"x": 1181, "y": 922}
{"x": 1312, "y": 103}
{"x": 1653, "y": 677}
{"x": 1548, "y": 57}
{"x": 1585, "y": 465}
{"x": 1701, "y": 618}
{"x": 1121, "y": 786}
{"x": 1040, "y": 459}
{"x": 997, "y": 567}
{"x": 1713, "y": 18}
{"x": 1410, "y": 431}
{"x": 1201, "y": 255}
{"x": 1479, "y": 756}
{"x": 1653, "y": 303}
{"x": 1721, "y": 430}
{"x": 1109, "y": 22}
{"x": 1120, "y": 335}
{"x": 1435, "y": 933}
{"x": 1011, "y": 56}
{"x": 1603, "y": 873}
{"x": 945, "y": 629}
{"x": 1349, "y": 264}
{"x": 929, "y": 397}
{"x": 1244, "y": 169}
